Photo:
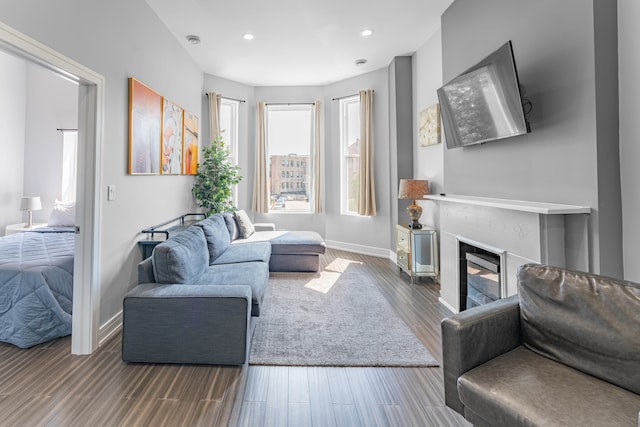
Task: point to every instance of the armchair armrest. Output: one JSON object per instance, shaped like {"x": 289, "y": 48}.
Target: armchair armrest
{"x": 475, "y": 336}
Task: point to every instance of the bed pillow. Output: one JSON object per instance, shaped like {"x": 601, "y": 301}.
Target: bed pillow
{"x": 244, "y": 224}
{"x": 63, "y": 214}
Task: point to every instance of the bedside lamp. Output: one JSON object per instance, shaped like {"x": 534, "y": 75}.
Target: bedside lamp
{"x": 412, "y": 189}
{"x": 30, "y": 204}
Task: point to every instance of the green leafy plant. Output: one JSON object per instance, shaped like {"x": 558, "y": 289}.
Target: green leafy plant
{"x": 215, "y": 178}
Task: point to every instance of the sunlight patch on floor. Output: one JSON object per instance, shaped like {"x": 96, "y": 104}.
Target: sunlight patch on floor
{"x": 326, "y": 279}
{"x": 340, "y": 265}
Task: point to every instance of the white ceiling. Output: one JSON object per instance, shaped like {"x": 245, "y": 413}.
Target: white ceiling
{"x": 298, "y": 42}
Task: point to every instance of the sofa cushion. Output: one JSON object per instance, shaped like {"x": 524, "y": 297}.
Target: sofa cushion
{"x": 522, "y": 388}
{"x": 229, "y": 219}
{"x": 254, "y": 274}
{"x": 585, "y": 321}
{"x": 256, "y": 251}
{"x": 217, "y": 235}
{"x": 244, "y": 224}
{"x": 293, "y": 242}
{"x": 182, "y": 258}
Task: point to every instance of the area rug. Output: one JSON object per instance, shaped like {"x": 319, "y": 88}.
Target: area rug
{"x": 332, "y": 318}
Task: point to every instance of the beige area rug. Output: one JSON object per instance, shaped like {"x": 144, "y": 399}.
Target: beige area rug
{"x": 332, "y": 318}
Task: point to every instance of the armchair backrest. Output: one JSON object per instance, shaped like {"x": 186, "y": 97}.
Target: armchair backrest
{"x": 582, "y": 320}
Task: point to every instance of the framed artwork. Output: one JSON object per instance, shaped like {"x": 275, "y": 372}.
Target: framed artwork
{"x": 145, "y": 114}
{"x": 429, "y": 130}
{"x": 191, "y": 144}
{"x": 172, "y": 126}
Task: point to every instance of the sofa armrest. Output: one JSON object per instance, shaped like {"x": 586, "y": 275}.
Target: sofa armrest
{"x": 200, "y": 324}
{"x": 475, "y": 336}
{"x": 264, "y": 226}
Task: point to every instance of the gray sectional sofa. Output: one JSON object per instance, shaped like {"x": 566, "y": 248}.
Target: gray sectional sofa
{"x": 199, "y": 290}
{"x": 565, "y": 351}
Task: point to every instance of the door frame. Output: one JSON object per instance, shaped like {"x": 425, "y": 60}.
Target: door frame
{"x": 86, "y": 271}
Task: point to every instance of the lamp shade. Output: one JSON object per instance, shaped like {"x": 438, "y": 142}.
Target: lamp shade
{"x": 30, "y": 204}
{"x": 412, "y": 189}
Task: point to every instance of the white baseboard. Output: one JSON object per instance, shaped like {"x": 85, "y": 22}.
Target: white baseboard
{"x": 358, "y": 249}
{"x": 443, "y": 302}
{"x": 110, "y": 328}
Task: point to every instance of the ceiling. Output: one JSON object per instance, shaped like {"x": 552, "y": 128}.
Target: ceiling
{"x": 298, "y": 42}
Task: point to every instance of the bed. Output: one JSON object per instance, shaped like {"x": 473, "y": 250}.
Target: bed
{"x": 36, "y": 285}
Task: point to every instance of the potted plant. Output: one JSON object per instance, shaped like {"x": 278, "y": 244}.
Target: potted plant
{"x": 215, "y": 177}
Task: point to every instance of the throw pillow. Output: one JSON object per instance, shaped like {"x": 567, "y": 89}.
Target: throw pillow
{"x": 63, "y": 214}
{"x": 244, "y": 224}
{"x": 234, "y": 233}
{"x": 217, "y": 235}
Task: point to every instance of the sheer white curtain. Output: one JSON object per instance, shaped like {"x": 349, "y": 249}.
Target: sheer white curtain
{"x": 366, "y": 193}
{"x": 316, "y": 158}
{"x": 260, "y": 202}
{"x": 214, "y": 116}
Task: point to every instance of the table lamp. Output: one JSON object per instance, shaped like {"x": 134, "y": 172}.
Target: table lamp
{"x": 412, "y": 189}
{"x": 30, "y": 204}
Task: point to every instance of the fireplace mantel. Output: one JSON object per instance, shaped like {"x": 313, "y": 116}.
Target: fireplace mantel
{"x": 514, "y": 205}
{"x": 520, "y": 231}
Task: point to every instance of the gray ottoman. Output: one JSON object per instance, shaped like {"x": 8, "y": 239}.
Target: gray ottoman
{"x": 296, "y": 251}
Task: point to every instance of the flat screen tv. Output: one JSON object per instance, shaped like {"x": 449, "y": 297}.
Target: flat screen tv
{"x": 484, "y": 103}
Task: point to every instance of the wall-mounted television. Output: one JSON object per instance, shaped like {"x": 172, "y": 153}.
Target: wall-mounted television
{"x": 484, "y": 103}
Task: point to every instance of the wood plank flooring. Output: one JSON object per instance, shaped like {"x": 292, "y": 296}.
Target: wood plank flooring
{"x": 47, "y": 386}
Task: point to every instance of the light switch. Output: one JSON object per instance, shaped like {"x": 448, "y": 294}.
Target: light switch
{"x": 111, "y": 192}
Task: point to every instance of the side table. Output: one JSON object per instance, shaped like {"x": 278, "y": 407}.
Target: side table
{"x": 417, "y": 252}
{"x": 21, "y": 228}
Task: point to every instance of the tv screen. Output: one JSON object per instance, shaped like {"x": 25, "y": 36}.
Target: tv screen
{"x": 483, "y": 103}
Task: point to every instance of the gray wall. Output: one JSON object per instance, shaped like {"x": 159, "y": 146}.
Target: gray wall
{"x": 401, "y": 126}
{"x": 629, "y": 88}
{"x": 558, "y": 162}
{"x": 120, "y": 39}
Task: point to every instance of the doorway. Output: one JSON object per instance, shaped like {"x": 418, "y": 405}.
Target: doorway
{"x": 86, "y": 284}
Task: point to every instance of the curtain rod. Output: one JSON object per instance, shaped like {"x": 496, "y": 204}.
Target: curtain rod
{"x": 348, "y": 96}
{"x": 290, "y": 103}
{"x": 226, "y": 97}
{"x": 66, "y": 129}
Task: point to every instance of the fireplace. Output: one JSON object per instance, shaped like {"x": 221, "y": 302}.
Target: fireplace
{"x": 518, "y": 232}
{"x": 480, "y": 276}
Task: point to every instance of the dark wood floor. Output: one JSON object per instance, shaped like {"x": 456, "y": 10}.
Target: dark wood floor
{"x": 46, "y": 386}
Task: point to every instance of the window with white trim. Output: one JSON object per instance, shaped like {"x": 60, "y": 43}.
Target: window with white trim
{"x": 69, "y": 164}
{"x": 289, "y": 140}
{"x": 350, "y": 154}
{"x": 229, "y": 133}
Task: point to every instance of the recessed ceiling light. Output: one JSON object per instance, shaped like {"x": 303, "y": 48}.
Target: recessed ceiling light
{"x": 366, "y": 32}
{"x": 360, "y": 62}
{"x": 193, "y": 39}
{"x": 248, "y": 36}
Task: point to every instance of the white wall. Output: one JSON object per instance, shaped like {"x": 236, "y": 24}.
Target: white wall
{"x": 52, "y": 103}
{"x": 368, "y": 232}
{"x": 558, "y": 161}
{"x": 120, "y": 39}
{"x": 246, "y": 134}
{"x": 291, "y": 94}
{"x": 629, "y": 89}
{"x": 13, "y": 86}
{"x": 428, "y": 161}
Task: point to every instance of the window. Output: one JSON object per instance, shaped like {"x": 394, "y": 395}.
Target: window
{"x": 229, "y": 132}
{"x": 350, "y": 158}
{"x": 69, "y": 165}
{"x": 290, "y": 134}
